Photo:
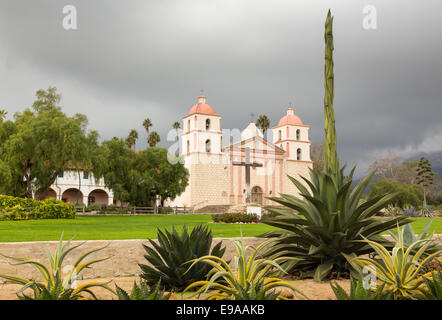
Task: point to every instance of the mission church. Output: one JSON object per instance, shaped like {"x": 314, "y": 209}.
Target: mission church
{"x": 247, "y": 171}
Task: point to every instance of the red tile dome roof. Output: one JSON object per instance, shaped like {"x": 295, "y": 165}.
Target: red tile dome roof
{"x": 290, "y": 119}
{"x": 202, "y": 107}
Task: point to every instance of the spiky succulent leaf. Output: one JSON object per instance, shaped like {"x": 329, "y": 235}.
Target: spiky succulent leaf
{"x": 167, "y": 257}
{"x": 250, "y": 279}
{"x": 331, "y": 219}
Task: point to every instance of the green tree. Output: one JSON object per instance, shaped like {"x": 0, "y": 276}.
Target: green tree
{"x": 40, "y": 143}
{"x": 3, "y": 114}
{"x": 176, "y": 125}
{"x": 138, "y": 178}
{"x": 147, "y": 124}
{"x": 424, "y": 178}
{"x": 168, "y": 179}
{"x": 263, "y": 123}
{"x": 132, "y": 139}
{"x": 408, "y": 194}
{"x": 153, "y": 139}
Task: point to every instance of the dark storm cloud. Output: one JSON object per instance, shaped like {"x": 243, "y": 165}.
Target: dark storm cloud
{"x": 134, "y": 59}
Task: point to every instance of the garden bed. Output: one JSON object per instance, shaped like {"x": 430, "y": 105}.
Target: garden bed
{"x": 313, "y": 290}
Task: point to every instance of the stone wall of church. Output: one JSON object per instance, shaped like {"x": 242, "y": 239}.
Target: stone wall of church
{"x": 209, "y": 184}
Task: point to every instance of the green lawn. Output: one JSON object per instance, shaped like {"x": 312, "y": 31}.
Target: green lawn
{"x": 134, "y": 227}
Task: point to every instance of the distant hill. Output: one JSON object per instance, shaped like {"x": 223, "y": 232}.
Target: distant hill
{"x": 435, "y": 159}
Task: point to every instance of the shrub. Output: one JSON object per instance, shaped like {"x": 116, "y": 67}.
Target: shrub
{"x": 235, "y": 218}
{"x": 58, "y": 282}
{"x": 410, "y": 211}
{"x": 252, "y": 278}
{"x": 393, "y": 211}
{"x": 407, "y": 194}
{"x": 400, "y": 269}
{"x": 433, "y": 287}
{"x": 167, "y": 258}
{"x": 358, "y": 292}
{"x": 408, "y": 237}
{"x": 331, "y": 218}
{"x": 14, "y": 208}
{"x": 93, "y": 207}
{"x": 165, "y": 210}
{"x": 142, "y": 292}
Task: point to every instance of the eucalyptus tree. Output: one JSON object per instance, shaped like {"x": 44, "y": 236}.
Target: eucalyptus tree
{"x": 43, "y": 143}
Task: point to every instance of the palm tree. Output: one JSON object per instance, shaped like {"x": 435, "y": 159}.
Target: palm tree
{"x": 3, "y": 114}
{"x": 153, "y": 139}
{"x": 132, "y": 138}
{"x": 147, "y": 124}
{"x": 176, "y": 125}
{"x": 263, "y": 123}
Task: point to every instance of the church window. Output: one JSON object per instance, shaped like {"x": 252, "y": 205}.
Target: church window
{"x": 279, "y": 135}
{"x": 298, "y": 134}
{"x": 207, "y": 124}
{"x": 188, "y": 146}
{"x": 208, "y": 145}
{"x": 188, "y": 125}
{"x": 298, "y": 154}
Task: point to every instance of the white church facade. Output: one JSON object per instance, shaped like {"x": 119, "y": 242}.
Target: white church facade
{"x": 218, "y": 174}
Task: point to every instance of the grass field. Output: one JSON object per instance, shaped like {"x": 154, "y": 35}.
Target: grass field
{"x": 135, "y": 227}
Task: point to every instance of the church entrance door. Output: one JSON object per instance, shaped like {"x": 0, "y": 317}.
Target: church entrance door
{"x": 257, "y": 195}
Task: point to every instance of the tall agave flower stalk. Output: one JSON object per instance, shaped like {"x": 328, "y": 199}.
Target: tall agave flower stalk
{"x": 331, "y": 162}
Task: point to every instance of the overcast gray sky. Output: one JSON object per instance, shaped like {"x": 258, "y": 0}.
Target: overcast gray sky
{"x": 130, "y": 60}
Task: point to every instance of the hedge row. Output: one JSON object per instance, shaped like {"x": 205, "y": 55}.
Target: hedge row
{"x": 13, "y": 208}
{"x": 235, "y": 218}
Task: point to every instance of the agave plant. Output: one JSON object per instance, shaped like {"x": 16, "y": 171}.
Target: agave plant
{"x": 59, "y": 282}
{"x": 410, "y": 211}
{"x": 393, "y": 211}
{"x": 330, "y": 222}
{"x": 173, "y": 250}
{"x": 359, "y": 292}
{"x": 251, "y": 279}
{"x": 408, "y": 236}
{"x": 399, "y": 270}
{"x": 432, "y": 290}
{"x": 142, "y": 292}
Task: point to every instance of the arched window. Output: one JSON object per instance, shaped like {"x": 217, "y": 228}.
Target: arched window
{"x": 188, "y": 125}
{"x": 279, "y": 135}
{"x": 298, "y": 134}
{"x": 207, "y": 124}
{"x": 208, "y": 145}
{"x": 188, "y": 146}
{"x": 298, "y": 154}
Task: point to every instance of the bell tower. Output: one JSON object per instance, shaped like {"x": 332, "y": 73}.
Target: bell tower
{"x": 202, "y": 132}
{"x": 292, "y": 135}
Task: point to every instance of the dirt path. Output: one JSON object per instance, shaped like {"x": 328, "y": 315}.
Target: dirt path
{"x": 312, "y": 289}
